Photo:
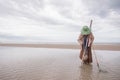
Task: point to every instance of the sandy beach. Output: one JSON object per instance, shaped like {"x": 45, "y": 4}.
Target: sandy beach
{"x": 115, "y": 47}
{"x": 28, "y": 63}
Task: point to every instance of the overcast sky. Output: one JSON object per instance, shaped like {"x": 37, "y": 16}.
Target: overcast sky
{"x": 58, "y": 20}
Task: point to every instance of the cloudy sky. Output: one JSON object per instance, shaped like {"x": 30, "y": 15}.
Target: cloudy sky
{"x": 38, "y": 21}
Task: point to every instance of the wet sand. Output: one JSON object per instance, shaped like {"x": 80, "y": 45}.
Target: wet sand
{"x": 22, "y": 63}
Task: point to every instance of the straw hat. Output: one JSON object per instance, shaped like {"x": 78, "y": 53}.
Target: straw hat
{"x": 85, "y": 30}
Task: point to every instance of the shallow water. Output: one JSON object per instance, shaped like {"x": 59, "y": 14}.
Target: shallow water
{"x": 56, "y": 64}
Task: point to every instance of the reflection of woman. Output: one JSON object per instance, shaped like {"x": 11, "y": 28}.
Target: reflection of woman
{"x": 86, "y": 39}
{"x": 86, "y": 72}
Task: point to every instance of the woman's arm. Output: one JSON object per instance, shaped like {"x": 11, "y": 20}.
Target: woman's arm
{"x": 91, "y": 39}
{"x": 80, "y": 39}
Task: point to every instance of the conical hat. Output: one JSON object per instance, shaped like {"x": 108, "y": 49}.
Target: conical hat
{"x": 85, "y": 30}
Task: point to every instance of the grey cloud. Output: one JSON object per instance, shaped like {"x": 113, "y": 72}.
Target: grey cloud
{"x": 6, "y": 9}
{"x": 17, "y": 7}
{"x": 23, "y": 10}
{"x": 61, "y": 3}
{"x": 64, "y": 7}
{"x": 102, "y": 7}
{"x": 115, "y": 4}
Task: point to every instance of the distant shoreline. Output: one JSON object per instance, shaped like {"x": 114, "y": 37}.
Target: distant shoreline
{"x": 64, "y": 46}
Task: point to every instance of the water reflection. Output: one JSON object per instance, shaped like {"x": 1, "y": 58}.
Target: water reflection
{"x": 86, "y": 72}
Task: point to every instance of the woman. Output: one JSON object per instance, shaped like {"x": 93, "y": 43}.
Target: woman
{"x": 86, "y": 39}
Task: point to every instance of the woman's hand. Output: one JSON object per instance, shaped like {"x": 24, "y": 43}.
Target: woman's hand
{"x": 89, "y": 44}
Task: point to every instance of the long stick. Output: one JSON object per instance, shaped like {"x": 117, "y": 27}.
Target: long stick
{"x": 91, "y": 23}
{"x": 96, "y": 60}
{"x": 94, "y": 50}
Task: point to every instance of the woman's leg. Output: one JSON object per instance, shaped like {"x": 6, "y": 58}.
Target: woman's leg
{"x": 89, "y": 55}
